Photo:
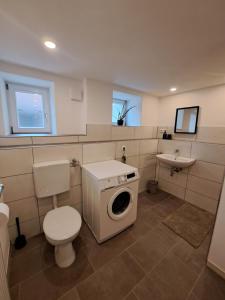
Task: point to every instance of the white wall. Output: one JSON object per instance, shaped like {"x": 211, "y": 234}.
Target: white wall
{"x": 96, "y": 107}
{"x": 216, "y": 257}
{"x": 99, "y": 102}
{"x": 150, "y": 110}
{"x": 211, "y": 102}
{"x": 70, "y": 115}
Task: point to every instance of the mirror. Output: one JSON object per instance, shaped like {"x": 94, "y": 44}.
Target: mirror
{"x": 186, "y": 120}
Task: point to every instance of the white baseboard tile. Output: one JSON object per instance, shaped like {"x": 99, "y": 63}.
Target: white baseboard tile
{"x": 216, "y": 269}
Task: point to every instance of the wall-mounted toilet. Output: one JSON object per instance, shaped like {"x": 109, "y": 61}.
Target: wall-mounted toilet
{"x": 62, "y": 224}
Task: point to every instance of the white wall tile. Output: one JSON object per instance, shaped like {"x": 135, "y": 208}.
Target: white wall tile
{"x": 155, "y": 132}
{"x": 68, "y": 198}
{"x": 131, "y": 160}
{"x": 50, "y": 153}
{"x": 96, "y": 132}
{"x": 15, "y": 161}
{"x": 208, "y": 152}
{"x": 204, "y": 187}
{"x": 169, "y": 146}
{"x": 201, "y": 201}
{"x": 172, "y": 188}
{"x": 208, "y": 171}
{"x": 78, "y": 207}
{"x": 98, "y": 152}
{"x": 161, "y": 129}
{"x": 148, "y": 146}
{"x": 211, "y": 134}
{"x": 177, "y": 178}
{"x": 146, "y": 160}
{"x": 122, "y": 133}
{"x": 25, "y": 209}
{"x": 184, "y": 137}
{"x": 75, "y": 176}
{"x": 132, "y": 148}
{"x": 15, "y": 141}
{"x": 72, "y": 197}
{"x": 29, "y": 228}
{"x": 44, "y": 140}
{"x": 146, "y": 174}
{"x": 143, "y": 132}
{"x": 18, "y": 187}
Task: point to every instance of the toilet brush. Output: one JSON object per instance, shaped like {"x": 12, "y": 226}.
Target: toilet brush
{"x": 20, "y": 241}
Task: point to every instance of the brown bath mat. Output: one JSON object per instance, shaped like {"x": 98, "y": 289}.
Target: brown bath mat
{"x": 191, "y": 223}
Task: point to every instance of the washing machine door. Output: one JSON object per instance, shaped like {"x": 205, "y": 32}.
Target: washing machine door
{"x": 120, "y": 204}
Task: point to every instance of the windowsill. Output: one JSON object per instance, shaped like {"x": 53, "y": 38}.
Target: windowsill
{"x": 29, "y": 134}
{"x": 115, "y": 125}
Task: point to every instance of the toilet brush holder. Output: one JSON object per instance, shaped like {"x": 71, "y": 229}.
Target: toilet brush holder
{"x": 20, "y": 241}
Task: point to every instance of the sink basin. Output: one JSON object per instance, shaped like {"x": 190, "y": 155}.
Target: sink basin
{"x": 177, "y": 162}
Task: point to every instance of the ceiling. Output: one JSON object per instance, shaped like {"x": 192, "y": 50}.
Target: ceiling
{"x": 149, "y": 45}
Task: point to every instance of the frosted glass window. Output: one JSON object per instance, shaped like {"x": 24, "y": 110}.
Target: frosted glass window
{"x": 29, "y": 109}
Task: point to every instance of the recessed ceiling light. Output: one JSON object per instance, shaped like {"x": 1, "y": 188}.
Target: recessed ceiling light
{"x": 50, "y": 44}
{"x": 173, "y": 89}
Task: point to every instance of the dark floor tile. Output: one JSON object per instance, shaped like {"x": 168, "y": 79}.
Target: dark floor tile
{"x": 147, "y": 289}
{"x": 146, "y": 220}
{"x": 168, "y": 206}
{"x": 194, "y": 258}
{"x": 14, "y": 292}
{"x": 100, "y": 254}
{"x": 170, "y": 280}
{"x": 131, "y": 296}
{"x": 192, "y": 297}
{"x": 54, "y": 282}
{"x": 175, "y": 274}
{"x": 32, "y": 243}
{"x": 151, "y": 248}
{"x": 139, "y": 228}
{"x": 155, "y": 198}
{"x": 113, "y": 281}
{"x": 70, "y": 295}
{"x": 30, "y": 262}
{"x": 85, "y": 239}
{"x": 210, "y": 286}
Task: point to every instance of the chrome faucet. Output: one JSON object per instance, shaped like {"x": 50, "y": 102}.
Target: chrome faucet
{"x": 176, "y": 153}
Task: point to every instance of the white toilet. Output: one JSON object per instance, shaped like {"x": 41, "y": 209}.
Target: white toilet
{"x": 62, "y": 224}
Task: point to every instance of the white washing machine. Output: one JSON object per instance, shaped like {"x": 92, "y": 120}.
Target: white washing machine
{"x": 110, "y": 191}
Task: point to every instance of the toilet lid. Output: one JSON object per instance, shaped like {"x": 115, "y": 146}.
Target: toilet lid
{"x": 62, "y": 223}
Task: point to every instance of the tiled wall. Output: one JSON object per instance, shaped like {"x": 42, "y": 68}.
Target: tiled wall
{"x": 102, "y": 142}
{"x": 201, "y": 183}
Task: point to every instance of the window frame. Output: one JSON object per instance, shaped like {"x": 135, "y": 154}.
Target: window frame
{"x": 114, "y": 100}
{"x": 12, "y": 88}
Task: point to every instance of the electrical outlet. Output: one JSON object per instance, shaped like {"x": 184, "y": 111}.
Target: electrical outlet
{"x": 123, "y": 148}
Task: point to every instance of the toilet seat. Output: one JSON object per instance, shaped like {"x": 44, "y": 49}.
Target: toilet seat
{"x": 62, "y": 223}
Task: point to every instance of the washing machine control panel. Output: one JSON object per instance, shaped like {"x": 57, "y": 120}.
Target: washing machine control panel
{"x": 118, "y": 180}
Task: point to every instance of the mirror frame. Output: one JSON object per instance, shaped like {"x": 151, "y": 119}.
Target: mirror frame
{"x": 196, "y": 123}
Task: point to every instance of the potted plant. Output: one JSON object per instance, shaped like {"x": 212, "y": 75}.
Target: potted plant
{"x": 122, "y": 114}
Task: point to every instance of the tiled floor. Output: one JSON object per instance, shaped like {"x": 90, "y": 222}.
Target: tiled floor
{"x": 145, "y": 262}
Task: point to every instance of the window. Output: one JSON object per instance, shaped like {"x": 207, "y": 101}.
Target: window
{"x": 120, "y": 101}
{"x": 117, "y": 107}
{"x": 29, "y": 108}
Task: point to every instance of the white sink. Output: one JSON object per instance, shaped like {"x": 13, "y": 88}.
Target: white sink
{"x": 175, "y": 161}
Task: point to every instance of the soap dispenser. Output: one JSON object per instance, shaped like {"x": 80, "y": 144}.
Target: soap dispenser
{"x": 164, "y": 135}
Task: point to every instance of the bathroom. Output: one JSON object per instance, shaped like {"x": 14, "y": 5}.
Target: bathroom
{"x": 164, "y": 238}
